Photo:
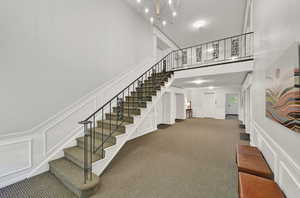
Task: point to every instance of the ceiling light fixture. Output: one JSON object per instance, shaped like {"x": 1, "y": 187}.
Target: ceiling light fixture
{"x": 198, "y": 82}
{"x": 199, "y": 24}
{"x": 151, "y": 19}
{"x": 210, "y": 87}
{"x": 164, "y": 12}
{"x": 210, "y": 50}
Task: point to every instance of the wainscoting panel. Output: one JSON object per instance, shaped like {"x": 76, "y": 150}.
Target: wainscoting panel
{"x": 17, "y": 155}
{"x": 285, "y": 169}
{"x": 60, "y": 132}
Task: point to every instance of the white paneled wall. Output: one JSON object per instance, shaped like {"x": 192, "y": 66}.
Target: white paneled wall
{"x": 286, "y": 170}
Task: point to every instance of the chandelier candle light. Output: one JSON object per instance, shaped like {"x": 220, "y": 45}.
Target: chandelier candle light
{"x": 159, "y": 12}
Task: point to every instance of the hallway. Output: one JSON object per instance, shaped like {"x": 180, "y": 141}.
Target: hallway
{"x": 194, "y": 158}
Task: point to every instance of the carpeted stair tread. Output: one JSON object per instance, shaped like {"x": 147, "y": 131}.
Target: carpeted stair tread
{"x": 98, "y": 143}
{"x": 114, "y": 116}
{"x": 114, "y": 122}
{"x": 76, "y": 153}
{"x": 107, "y": 131}
{"x": 71, "y": 174}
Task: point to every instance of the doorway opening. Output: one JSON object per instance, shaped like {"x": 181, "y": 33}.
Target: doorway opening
{"x": 232, "y": 106}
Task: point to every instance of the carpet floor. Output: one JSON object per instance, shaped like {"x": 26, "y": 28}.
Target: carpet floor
{"x": 194, "y": 158}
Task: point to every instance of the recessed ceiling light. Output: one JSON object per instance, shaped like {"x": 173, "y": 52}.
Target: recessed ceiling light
{"x": 199, "y": 81}
{"x": 151, "y": 19}
{"x": 174, "y": 14}
{"x": 146, "y": 10}
{"x": 211, "y": 87}
{"x": 170, "y": 2}
{"x": 199, "y": 24}
{"x": 210, "y": 50}
{"x": 139, "y": 1}
{"x": 164, "y": 23}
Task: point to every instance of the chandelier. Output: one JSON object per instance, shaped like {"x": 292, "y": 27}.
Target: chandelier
{"x": 159, "y": 12}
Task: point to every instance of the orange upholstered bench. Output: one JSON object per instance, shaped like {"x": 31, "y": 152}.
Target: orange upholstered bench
{"x": 250, "y": 160}
{"x": 251, "y": 186}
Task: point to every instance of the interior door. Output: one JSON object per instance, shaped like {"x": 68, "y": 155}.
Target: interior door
{"x": 210, "y": 104}
{"x": 232, "y": 104}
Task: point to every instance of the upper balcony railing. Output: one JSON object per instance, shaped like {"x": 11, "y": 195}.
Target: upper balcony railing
{"x": 226, "y": 50}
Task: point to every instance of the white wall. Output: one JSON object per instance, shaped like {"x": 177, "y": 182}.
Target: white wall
{"x": 276, "y": 26}
{"x": 52, "y": 52}
{"x": 197, "y": 96}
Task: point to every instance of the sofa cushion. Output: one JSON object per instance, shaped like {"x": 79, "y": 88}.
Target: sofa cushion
{"x": 251, "y": 186}
{"x": 250, "y": 160}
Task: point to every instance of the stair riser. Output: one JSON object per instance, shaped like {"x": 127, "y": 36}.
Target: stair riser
{"x": 147, "y": 89}
{"x": 135, "y": 99}
{"x": 79, "y": 193}
{"x": 121, "y": 129}
{"x": 158, "y": 78}
{"x": 81, "y": 145}
{"x": 135, "y": 104}
{"x": 112, "y": 138}
{"x": 131, "y": 111}
{"x": 76, "y": 161}
{"x": 150, "y": 83}
{"x": 115, "y": 117}
{"x": 143, "y": 94}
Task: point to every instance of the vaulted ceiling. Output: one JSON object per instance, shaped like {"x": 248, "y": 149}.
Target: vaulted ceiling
{"x": 223, "y": 18}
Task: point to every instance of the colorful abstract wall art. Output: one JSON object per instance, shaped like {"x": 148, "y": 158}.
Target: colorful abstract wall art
{"x": 283, "y": 89}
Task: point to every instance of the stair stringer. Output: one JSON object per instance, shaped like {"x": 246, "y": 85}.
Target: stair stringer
{"x": 110, "y": 152}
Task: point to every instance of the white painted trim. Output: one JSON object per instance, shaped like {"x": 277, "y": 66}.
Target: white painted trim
{"x": 13, "y": 180}
{"x": 43, "y": 166}
{"x": 283, "y": 164}
{"x": 47, "y": 152}
{"x": 145, "y": 132}
{"x": 29, "y": 158}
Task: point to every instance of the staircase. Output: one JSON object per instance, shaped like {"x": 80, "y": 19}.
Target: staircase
{"x": 115, "y": 119}
{"x": 112, "y": 125}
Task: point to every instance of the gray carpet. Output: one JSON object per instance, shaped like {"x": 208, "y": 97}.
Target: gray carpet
{"x": 191, "y": 159}
{"x": 42, "y": 186}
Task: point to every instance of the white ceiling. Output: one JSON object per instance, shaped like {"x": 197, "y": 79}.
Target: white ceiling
{"x": 217, "y": 81}
{"x": 224, "y": 17}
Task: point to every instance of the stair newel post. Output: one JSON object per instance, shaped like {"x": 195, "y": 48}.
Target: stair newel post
{"x": 86, "y": 168}
{"x": 91, "y": 150}
{"x": 134, "y": 99}
{"x": 128, "y": 97}
{"x": 118, "y": 106}
{"x": 94, "y": 133}
{"x": 109, "y": 119}
{"x": 102, "y": 134}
